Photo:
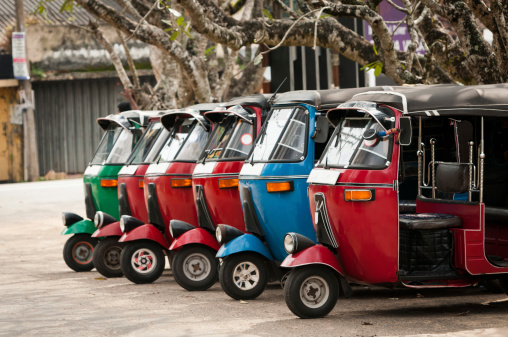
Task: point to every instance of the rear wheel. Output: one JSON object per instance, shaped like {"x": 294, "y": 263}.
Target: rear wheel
{"x": 195, "y": 268}
{"x": 106, "y": 257}
{"x": 78, "y": 252}
{"x": 311, "y": 292}
{"x": 243, "y": 276}
{"x": 142, "y": 261}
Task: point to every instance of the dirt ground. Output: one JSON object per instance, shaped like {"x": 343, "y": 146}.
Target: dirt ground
{"x": 41, "y": 296}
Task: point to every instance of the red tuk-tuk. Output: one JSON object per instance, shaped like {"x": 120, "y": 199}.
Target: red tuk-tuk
{"x": 168, "y": 193}
{"x": 453, "y": 231}
{"x": 131, "y": 201}
{"x": 215, "y": 187}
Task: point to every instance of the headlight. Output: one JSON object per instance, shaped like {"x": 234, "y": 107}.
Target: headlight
{"x": 97, "y": 220}
{"x": 218, "y": 235}
{"x": 122, "y": 225}
{"x": 102, "y": 219}
{"x": 289, "y": 243}
{"x": 69, "y": 218}
{"x": 63, "y": 218}
{"x": 178, "y": 227}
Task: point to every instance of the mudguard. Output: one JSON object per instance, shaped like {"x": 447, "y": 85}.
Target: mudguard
{"x": 113, "y": 229}
{"x": 197, "y": 235}
{"x": 317, "y": 254}
{"x": 84, "y": 226}
{"x": 146, "y": 232}
{"x": 244, "y": 243}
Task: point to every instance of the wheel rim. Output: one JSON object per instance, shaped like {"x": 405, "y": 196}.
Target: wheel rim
{"x": 144, "y": 261}
{"x": 314, "y": 291}
{"x": 82, "y": 252}
{"x": 196, "y": 267}
{"x": 246, "y": 275}
{"x": 112, "y": 257}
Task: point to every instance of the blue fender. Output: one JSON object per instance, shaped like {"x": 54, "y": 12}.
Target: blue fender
{"x": 244, "y": 243}
{"x": 84, "y": 226}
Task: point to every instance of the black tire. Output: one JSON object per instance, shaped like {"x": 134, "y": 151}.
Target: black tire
{"x": 106, "y": 257}
{"x": 305, "y": 284}
{"x": 78, "y": 252}
{"x": 195, "y": 268}
{"x": 243, "y": 276}
{"x": 142, "y": 261}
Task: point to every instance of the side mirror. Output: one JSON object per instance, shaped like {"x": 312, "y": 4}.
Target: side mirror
{"x": 322, "y": 129}
{"x": 406, "y": 131}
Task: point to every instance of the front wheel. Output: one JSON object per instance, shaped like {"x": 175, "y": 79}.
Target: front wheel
{"x": 311, "y": 292}
{"x": 142, "y": 261}
{"x": 106, "y": 257}
{"x": 195, "y": 268}
{"x": 243, "y": 276}
{"x": 78, "y": 252}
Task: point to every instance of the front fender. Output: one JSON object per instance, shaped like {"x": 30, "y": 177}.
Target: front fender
{"x": 244, "y": 243}
{"x": 197, "y": 235}
{"x": 317, "y": 254}
{"x": 113, "y": 229}
{"x": 84, "y": 226}
{"x": 146, "y": 232}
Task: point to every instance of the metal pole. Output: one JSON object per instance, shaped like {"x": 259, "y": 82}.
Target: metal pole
{"x": 432, "y": 149}
{"x": 482, "y": 160}
{"x": 470, "y": 194}
{"x": 30, "y": 156}
{"x": 419, "y": 154}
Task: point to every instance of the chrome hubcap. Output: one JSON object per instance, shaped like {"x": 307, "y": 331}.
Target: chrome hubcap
{"x": 246, "y": 275}
{"x": 314, "y": 291}
{"x": 196, "y": 267}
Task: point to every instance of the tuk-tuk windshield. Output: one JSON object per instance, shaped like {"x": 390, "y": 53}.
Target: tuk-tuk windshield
{"x": 283, "y": 137}
{"x": 177, "y": 137}
{"x": 231, "y": 139}
{"x": 115, "y": 146}
{"x": 194, "y": 144}
{"x": 347, "y": 147}
{"x": 149, "y": 143}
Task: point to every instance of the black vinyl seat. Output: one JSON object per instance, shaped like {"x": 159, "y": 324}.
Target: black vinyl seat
{"x": 423, "y": 221}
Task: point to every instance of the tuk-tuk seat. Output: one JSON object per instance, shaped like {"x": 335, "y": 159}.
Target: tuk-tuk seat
{"x": 497, "y": 215}
{"x": 423, "y": 221}
{"x": 407, "y": 206}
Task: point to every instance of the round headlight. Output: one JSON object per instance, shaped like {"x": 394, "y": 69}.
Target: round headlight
{"x": 122, "y": 225}
{"x": 63, "y": 218}
{"x": 97, "y": 220}
{"x": 218, "y": 235}
{"x": 289, "y": 243}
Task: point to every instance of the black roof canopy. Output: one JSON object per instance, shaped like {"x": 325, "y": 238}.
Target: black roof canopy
{"x": 257, "y": 100}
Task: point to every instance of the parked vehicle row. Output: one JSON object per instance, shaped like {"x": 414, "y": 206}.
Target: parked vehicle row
{"x": 313, "y": 189}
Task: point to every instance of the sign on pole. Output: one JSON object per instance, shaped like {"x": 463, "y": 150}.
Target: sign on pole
{"x": 19, "y": 56}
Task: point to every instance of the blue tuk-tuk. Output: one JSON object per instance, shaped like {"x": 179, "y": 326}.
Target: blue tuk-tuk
{"x": 273, "y": 189}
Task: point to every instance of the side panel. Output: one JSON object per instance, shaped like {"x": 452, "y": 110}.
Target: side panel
{"x": 197, "y": 235}
{"x": 113, "y": 229}
{"x": 135, "y": 195}
{"x": 244, "y": 243}
{"x": 313, "y": 255}
{"x": 105, "y": 198}
{"x": 145, "y": 232}
{"x": 84, "y": 226}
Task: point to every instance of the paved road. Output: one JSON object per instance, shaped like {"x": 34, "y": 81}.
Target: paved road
{"x": 40, "y": 296}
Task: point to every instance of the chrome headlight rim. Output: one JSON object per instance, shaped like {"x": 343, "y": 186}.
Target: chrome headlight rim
{"x": 290, "y": 243}
{"x": 122, "y": 225}
{"x": 218, "y": 235}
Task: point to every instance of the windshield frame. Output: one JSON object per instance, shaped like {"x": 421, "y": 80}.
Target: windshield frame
{"x": 294, "y": 107}
{"x": 338, "y": 129}
{"x": 158, "y": 134}
{"x": 196, "y": 125}
{"x": 203, "y": 158}
{"x": 112, "y": 127}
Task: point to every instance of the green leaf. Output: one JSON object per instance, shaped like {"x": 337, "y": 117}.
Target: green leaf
{"x": 67, "y": 6}
{"x": 258, "y": 59}
{"x": 324, "y": 16}
{"x": 375, "y": 50}
{"x": 174, "y": 36}
{"x": 188, "y": 34}
{"x": 180, "y": 20}
{"x": 266, "y": 12}
{"x": 209, "y": 50}
{"x": 378, "y": 70}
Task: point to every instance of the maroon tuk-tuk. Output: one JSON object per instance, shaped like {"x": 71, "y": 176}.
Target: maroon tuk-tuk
{"x": 451, "y": 233}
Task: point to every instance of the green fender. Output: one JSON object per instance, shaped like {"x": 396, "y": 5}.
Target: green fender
{"x": 84, "y": 226}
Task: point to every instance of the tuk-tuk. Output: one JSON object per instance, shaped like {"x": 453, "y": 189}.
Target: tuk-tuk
{"x": 215, "y": 187}
{"x": 167, "y": 193}
{"x": 106, "y": 256}
{"x": 273, "y": 190}
{"x": 122, "y": 131}
{"x": 454, "y": 173}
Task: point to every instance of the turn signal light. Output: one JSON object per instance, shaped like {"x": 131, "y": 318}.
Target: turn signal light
{"x": 141, "y": 184}
{"x": 109, "y": 183}
{"x": 281, "y": 186}
{"x": 358, "y": 195}
{"x": 228, "y": 183}
{"x": 177, "y": 183}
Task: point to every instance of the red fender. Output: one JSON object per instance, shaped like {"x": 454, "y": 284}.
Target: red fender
{"x": 313, "y": 255}
{"x": 196, "y": 235}
{"x": 146, "y": 232}
{"x": 113, "y": 229}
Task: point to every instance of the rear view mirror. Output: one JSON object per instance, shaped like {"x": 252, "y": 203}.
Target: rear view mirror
{"x": 322, "y": 128}
{"x": 406, "y": 131}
